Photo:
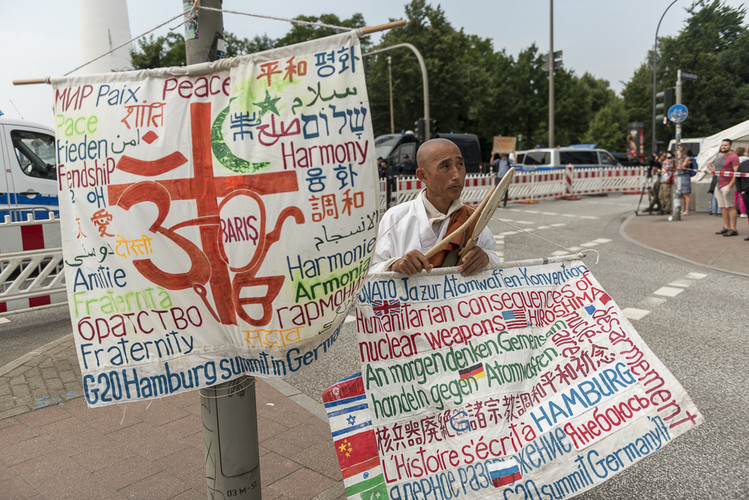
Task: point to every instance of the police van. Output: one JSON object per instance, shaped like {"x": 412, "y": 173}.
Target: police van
{"x": 552, "y": 158}
{"x": 28, "y": 182}
{"x": 392, "y": 147}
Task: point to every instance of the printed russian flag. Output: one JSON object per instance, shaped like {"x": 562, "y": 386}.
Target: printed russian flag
{"x": 515, "y": 318}
{"x": 502, "y": 473}
{"x": 475, "y": 371}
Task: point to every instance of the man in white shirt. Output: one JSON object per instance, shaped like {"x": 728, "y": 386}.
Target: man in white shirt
{"x": 410, "y": 229}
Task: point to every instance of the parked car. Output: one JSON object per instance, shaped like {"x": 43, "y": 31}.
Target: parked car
{"x": 392, "y": 147}
{"x": 551, "y": 158}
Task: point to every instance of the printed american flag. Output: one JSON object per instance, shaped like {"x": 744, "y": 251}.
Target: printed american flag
{"x": 383, "y": 307}
{"x": 516, "y": 318}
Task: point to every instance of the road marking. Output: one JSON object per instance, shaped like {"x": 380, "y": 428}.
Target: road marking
{"x": 559, "y": 252}
{"x": 696, "y": 276}
{"x": 668, "y": 291}
{"x": 635, "y": 313}
{"x": 681, "y": 283}
{"x": 589, "y": 244}
{"x": 655, "y": 301}
{"x": 602, "y": 240}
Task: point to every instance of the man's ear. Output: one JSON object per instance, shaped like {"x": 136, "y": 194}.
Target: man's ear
{"x": 420, "y": 174}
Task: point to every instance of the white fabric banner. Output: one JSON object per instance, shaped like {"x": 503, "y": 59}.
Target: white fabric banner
{"x": 518, "y": 382}
{"x": 217, "y": 220}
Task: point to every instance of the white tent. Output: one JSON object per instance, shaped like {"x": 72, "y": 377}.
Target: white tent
{"x": 711, "y": 145}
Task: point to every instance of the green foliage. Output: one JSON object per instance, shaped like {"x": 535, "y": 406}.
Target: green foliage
{"x": 163, "y": 51}
{"x": 714, "y": 43}
{"x": 608, "y": 127}
{"x": 304, "y": 32}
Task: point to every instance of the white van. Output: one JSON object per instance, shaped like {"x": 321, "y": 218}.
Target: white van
{"x": 551, "y": 158}
{"x": 692, "y": 146}
{"x": 28, "y": 182}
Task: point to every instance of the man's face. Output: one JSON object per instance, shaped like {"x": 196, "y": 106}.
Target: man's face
{"x": 443, "y": 174}
{"x": 725, "y": 147}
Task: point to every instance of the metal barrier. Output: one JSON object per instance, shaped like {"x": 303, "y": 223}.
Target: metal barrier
{"x": 556, "y": 183}
{"x": 31, "y": 267}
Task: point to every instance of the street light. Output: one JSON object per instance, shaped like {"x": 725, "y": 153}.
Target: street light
{"x": 424, "y": 77}
{"x": 655, "y": 65}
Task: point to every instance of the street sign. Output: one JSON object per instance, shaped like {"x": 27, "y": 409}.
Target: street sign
{"x": 688, "y": 75}
{"x": 677, "y": 113}
{"x": 557, "y": 55}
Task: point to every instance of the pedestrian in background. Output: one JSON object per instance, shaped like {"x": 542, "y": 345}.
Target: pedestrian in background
{"x": 684, "y": 165}
{"x": 667, "y": 181}
{"x": 502, "y": 163}
{"x": 741, "y": 152}
{"x": 714, "y": 164}
{"x": 742, "y": 184}
{"x": 726, "y": 188}
{"x": 655, "y": 173}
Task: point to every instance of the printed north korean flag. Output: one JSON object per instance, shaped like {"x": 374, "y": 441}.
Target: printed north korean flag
{"x": 502, "y": 473}
{"x": 515, "y": 318}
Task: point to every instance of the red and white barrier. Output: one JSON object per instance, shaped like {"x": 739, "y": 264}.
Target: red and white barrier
{"x": 567, "y": 183}
{"x": 31, "y": 271}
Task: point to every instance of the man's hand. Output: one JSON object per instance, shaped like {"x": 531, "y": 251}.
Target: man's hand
{"x": 474, "y": 261}
{"x": 412, "y": 263}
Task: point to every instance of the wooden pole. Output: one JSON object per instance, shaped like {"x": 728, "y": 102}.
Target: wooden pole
{"x": 380, "y": 27}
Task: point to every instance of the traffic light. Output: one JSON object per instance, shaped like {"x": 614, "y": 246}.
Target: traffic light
{"x": 663, "y": 101}
{"x": 420, "y": 129}
{"x": 432, "y": 127}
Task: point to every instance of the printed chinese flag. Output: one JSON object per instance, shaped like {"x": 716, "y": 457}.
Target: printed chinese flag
{"x": 356, "y": 448}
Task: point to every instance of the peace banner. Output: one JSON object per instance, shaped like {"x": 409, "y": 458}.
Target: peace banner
{"x": 517, "y": 382}
{"x": 217, "y": 220}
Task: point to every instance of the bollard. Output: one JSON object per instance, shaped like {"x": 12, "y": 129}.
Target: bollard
{"x": 230, "y": 440}
{"x": 675, "y": 202}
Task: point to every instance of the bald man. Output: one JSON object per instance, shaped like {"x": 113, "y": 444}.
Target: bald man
{"x": 409, "y": 230}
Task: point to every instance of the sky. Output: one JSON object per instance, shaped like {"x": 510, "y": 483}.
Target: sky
{"x": 41, "y": 38}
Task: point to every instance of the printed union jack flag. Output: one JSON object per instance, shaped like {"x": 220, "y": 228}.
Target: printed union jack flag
{"x": 383, "y": 307}
{"x": 515, "y": 318}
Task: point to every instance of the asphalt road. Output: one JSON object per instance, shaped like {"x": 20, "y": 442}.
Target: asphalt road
{"x": 699, "y": 334}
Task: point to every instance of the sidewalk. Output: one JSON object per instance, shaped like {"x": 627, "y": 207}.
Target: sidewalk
{"x": 53, "y": 446}
{"x": 693, "y": 238}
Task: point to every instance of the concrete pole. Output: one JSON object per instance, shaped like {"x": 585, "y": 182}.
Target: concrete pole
{"x": 551, "y": 74}
{"x": 228, "y": 410}
{"x": 209, "y": 36}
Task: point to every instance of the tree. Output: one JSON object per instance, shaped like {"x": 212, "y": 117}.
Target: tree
{"x": 304, "y": 32}
{"x": 714, "y": 44}
{"x": 160, "y": 52}
{"x": 608, "y": 127}
{"x": 456, "y": 74}
{"x": 236, "y": 47}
